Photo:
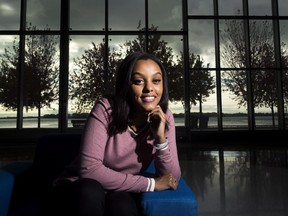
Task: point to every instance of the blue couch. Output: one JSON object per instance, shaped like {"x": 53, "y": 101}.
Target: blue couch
{"x": 25, "y": 186}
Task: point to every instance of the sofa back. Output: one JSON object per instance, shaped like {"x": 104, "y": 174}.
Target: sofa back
{"x": 53, "y": 152}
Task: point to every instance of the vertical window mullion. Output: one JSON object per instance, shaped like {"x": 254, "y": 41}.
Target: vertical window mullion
{"x": 21, "y": 63}
{"x": 64, "y": 66}
{"x": 277, "y": 45}
{"x": 250, "y": 103}
{"x": 218, "y": 74}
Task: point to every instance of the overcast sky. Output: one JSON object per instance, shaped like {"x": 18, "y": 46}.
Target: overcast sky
{"x": 126, "y": 14}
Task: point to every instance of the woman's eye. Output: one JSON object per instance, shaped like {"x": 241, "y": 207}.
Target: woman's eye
{"x": 157, "y": 81}
{"x": 137, "y": 82}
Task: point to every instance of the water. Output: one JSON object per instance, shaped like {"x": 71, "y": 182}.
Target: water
{"x": 228, "y": 122}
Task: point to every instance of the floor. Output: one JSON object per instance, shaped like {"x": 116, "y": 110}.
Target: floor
{"x": 225, "y": 182}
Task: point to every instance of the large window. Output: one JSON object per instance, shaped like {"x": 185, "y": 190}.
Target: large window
{"x": 226, "y": 60}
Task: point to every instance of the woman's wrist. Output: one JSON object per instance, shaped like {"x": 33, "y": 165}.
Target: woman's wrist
{"x": 161, "y": 146}
{"x": 160, "y": 140}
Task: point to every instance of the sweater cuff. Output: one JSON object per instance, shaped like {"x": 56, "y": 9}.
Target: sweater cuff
{"x": 151, "y": 185}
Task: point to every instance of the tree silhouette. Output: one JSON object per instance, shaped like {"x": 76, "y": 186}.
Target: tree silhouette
{"x": 88, "y": 82}
{"x": 40, "y": 86}
{"x": 88, "y": 79}
{"x": 262, "y": 59}
{"x": 201, "y": 82}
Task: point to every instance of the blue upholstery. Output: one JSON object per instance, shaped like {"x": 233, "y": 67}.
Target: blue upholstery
{"x": 169, "y": 202}
{"x": 6, "y": 188}
{"x": 21, "y": 182}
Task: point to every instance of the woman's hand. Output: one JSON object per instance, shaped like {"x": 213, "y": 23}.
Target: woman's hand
{"x": 157, "y": 119}
{"x": 165, "y": 182}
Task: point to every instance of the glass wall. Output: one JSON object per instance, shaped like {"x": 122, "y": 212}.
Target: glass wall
{"x": 226, "y": 59}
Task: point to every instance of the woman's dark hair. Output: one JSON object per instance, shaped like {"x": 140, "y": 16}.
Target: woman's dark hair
{"x": 121, "y": 101}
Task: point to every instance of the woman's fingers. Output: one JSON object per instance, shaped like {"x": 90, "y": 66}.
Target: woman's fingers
{"x": 166, "y": 182}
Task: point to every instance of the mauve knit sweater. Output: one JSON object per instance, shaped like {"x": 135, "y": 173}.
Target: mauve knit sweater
{"x": 118, "y": 161}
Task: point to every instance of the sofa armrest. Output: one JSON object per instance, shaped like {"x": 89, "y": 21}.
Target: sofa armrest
{"x": 19, "y": 175}
{"x": 6, "y": 189}
{"x": 181, "y": 201}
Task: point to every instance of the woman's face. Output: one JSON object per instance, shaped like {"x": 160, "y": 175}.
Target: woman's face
{"x": 146, "y": 85}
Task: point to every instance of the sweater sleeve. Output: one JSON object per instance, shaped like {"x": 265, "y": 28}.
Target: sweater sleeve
{"x": 166, "y": 161}
{"x": 92, "y": 155}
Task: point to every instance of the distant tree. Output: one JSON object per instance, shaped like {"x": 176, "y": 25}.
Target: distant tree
{"x": 201, "y": 81}
{"x": 40, "y": 86}
{"x": 233, "y": 53}
{"x": 88, "y": 78}
{"x": 88, "y": 81}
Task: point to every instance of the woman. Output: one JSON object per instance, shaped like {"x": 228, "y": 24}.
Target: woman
{"x": 122, "y": 136}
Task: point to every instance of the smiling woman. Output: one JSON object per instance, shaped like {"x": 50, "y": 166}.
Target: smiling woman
{"x": 123, "y": 134}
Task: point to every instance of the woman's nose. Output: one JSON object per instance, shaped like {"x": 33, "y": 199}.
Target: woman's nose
{"x": 148, "y": 87}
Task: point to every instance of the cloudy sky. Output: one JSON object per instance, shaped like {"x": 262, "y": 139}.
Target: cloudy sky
{"x": 127, "y": 14}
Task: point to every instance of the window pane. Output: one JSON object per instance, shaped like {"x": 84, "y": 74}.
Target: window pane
{"x": 125, "y": 44}
{"x": 128, "y": 15}
{"x": 265, "y": 98}
{"x": 200, "y": 7}
{"x": 285, "y": 95}
{"x": 284, "y": 42}
{"x": 86, "y": 76}
{"x": 44, "y": 14}
{"x": 88, "y": 15}
{"x": 283, "y": 7}
{"x": 232, "y": 44}
{"x": 203, "y": 109}
{"x": 234, "y": 99}
{"x": 41, "y": 81}
{"x": 202, "y": 41}
{"x": 10, "y": 15}
{"x": 8, "y": 80}
{"x": 260, "y": 7}
{"x": 262, "y": 44}
{"x": 165, "y": 14}
{"x": 230, "y": 7}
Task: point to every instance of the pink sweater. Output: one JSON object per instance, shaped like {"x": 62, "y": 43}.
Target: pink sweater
{"x": 117, "y": 161}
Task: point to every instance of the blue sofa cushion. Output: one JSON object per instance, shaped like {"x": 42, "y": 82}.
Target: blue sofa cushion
{"x": 6, "y": 188}
{"x": 169, "y": 202}
{"x": 181, "y": 201}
